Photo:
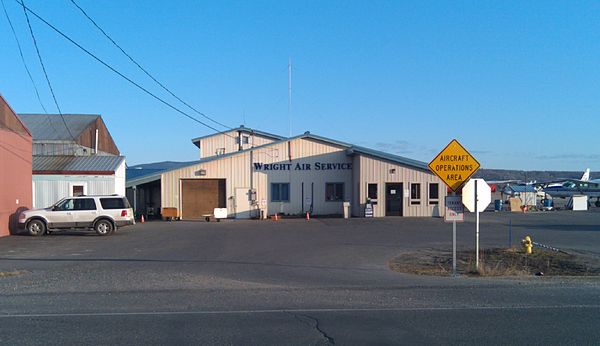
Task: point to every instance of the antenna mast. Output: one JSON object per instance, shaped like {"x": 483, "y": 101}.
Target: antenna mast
{"x": 290, "y": 95}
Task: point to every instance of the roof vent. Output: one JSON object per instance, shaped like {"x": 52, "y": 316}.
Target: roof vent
{"x": 307, "y": 133}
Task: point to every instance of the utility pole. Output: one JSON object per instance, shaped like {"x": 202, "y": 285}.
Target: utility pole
{"x": 290, "y": 95}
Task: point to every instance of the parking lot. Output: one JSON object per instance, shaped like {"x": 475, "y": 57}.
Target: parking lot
{"x": 332, "y": 270}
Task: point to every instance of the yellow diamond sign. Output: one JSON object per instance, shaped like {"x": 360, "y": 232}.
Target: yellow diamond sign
{"x": 454, "y": 165}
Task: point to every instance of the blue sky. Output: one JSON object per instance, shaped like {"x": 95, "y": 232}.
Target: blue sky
{"x": 517, "y": 83}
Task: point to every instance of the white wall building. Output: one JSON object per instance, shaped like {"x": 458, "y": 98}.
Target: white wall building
{"x": 292, "y": 176}
{"x": 73, "y": 154}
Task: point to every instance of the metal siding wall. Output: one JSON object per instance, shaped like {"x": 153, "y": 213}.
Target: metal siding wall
{"x": 237, "y": 169}
{"x": 378, "y": 171}
{"x": 234, "y": 169}
{"x": 48, "y": 189}
{"x": 209, "y": 146}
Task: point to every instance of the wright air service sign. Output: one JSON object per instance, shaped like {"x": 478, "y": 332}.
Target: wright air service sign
{"x": 454, "y": 165}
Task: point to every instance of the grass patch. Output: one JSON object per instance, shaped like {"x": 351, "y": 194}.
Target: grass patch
{"x": 496, "y": 262}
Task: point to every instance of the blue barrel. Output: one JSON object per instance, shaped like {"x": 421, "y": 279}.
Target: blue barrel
{"x": 548, "y": 203}
{"x": 498, "y": 205}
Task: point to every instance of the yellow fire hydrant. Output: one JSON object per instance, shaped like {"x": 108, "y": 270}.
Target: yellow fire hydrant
{"x": 527, "y": 244}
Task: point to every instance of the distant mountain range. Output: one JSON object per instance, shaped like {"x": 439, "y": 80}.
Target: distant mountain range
{"x": 526, "y": 176}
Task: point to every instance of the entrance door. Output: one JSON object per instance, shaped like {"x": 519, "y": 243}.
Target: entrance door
{"x": 393, "y": 199}
{"x": 242, "y": 203}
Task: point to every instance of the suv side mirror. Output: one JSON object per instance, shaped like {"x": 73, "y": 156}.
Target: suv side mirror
{"x": 54, "y": 208}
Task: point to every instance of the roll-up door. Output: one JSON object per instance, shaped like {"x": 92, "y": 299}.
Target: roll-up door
{"x": 200, "y": 196}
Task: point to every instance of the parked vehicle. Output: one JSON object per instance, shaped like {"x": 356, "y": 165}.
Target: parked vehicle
{"x": 104, "y": 214}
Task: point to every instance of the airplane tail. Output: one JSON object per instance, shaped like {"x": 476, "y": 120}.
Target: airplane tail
{"x": 586, "y": 175}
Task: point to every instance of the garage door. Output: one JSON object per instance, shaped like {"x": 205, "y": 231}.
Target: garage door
{"x": 200, "y": 196}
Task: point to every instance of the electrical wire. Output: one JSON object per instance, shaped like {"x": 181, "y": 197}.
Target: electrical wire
{"x": 22, "y": 57}
{"x": 25, "y": 8}
{"x": 44, "y": 68}
{"x": 143, "y": 69}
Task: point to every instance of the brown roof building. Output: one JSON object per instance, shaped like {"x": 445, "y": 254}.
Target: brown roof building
{"x": 15, "y": 168}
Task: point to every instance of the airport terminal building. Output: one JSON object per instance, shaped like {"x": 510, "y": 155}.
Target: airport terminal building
{"x": 255, "y": 174}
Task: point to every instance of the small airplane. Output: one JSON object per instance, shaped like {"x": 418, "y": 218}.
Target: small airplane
{"x": 573, "y": 187}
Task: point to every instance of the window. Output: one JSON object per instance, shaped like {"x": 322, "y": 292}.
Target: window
{"x": 415, "y": 194}
{"x": 84, "y": 204}
{"x": 77, "y": 190}
{"x": 66, "y": 204}
{"x": 434, "y": 193}
{"x": 334, "y": 192}
{"x": 245, "y": 139}
{"x": 220, "y": 151}
{"x": 372, "y": 191}
{"x": 280, "y": 192}
{"x": 114, "y": 203}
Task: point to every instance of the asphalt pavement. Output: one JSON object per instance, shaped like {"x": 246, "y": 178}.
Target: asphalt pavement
{"x": 324, "y": 281}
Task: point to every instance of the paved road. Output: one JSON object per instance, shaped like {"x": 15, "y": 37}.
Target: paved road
{"x": 290, "y": 282}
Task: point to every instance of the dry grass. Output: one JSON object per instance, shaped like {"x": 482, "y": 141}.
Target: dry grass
{"x": 12, "y": 273}
{"x": 496, "y": 262}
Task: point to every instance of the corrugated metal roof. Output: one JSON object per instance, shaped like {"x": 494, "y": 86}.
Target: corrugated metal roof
{"x": 94, "y": 163}
{"x": 522, "y": 188}
{"x": 51, "y": 126}
{"x": 351, "y": 149}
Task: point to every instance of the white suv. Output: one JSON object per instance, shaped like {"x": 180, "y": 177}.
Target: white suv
{"x": 104, "y": 214}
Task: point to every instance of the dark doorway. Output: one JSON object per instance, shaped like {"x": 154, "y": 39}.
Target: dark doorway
{"x": 393, "y": 199}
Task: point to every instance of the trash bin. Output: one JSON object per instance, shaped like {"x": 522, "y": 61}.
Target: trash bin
{"x": 346, "y": 210}
{"x": 498, "y": 205}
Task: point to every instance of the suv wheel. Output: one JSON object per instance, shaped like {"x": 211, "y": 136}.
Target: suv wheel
{"x": 103, "y": 227}
{"x": 36, "y": 227}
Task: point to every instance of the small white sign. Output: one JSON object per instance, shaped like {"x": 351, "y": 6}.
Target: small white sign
{"x": 392, "y": 192}
{"x": 407, "y": 193}
{"x": 308, "y": 201}
{"x": 455, "y": 210}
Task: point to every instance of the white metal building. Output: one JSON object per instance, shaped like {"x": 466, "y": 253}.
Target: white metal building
{"x": 73, "y": 154}
{"x": 292, "y": 176}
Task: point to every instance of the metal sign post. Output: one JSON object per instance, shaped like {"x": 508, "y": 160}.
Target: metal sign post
{"x": 477, "y": 195}
{"x": 476, "y": 229}
{"x": 454, "y": 165}
{"x": 454, "y": 212}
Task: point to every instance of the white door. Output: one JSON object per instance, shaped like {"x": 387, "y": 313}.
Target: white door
{"x": 242, "y": 203}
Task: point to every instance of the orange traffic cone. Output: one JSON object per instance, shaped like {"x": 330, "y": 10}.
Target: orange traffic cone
{"x": 276, "y": 217}
{"x": 142, "y": 219}
{"x": 307, "y": 216}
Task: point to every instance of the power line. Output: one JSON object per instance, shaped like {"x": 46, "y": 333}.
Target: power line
{"x": 23, "y": 58}
{"x": 44, "y": 68}
{"x": 119, "y": 73}
{"x": 143, "y": 69}
{"x": 26, "y": 67}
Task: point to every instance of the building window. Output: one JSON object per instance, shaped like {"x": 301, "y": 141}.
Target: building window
{"x": 372, "y": 192}
{"x": 434, "y": 194}
{"x": 280, "y": 192}
{"x": 220, "y": 151}
{"x": 415, "y": 194}
{"x": 245, "y": 139}
{"x": 334, "y": 192}
{"x": 77, "y": 190}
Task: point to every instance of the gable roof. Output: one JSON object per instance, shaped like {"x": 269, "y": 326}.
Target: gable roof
{"x": 95, "y": 164}
{"x": 52, "y": 127}
{"x": 242, "y": 128}
{"x": 350, "y": 150}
